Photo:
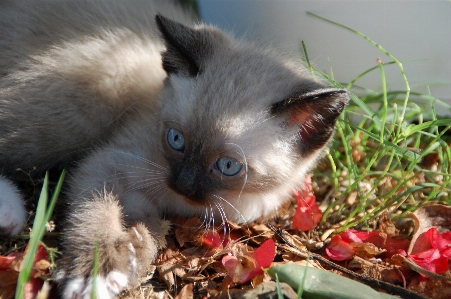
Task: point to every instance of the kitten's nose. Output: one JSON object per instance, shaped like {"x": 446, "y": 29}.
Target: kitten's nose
{"x": 185, "y": 182}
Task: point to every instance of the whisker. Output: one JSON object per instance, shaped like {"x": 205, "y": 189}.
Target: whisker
{"x": 152, "y": 184}
{"x": 148, "y": 179}
{"x": 226, "y": 228}
{"x": 138, "y": 158}
{"x": 158, "y": 189}
{"x": 142, "y": 168}
{"x": 232, "y": 206}
{"x": 205, "y": 216}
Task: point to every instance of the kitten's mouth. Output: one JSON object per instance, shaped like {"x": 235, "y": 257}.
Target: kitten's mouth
{"x": 191, "y": 202}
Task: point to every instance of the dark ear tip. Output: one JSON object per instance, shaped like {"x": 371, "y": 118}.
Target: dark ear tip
{"x": 343, "y": 94}
{"x": 160, "y": 20}
{"x": 164, "y": 24}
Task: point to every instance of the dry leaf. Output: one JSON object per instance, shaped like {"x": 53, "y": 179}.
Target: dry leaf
{"x": 187, "y": 230}
{"x": 186, "y": 292}
{"x": 433, "y": 288}
{"x": 367, "y": 250}
{"x": 8, "y": 280}
{"x": 387, "y": 227}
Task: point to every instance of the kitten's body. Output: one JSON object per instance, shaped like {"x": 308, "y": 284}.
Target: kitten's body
{"x": 57, "y": 54}
{"x": 214, "y": 127}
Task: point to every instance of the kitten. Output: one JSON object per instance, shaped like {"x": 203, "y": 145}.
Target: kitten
{"x": 190, "y": 123}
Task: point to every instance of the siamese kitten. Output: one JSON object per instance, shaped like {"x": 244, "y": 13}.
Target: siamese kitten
{"x": 167, "y": 118}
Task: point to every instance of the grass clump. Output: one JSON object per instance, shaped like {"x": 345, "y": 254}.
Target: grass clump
{"x": 391, "y": 153}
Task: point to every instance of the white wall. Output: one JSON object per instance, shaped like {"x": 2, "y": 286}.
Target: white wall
{"x": 409, "y": 30}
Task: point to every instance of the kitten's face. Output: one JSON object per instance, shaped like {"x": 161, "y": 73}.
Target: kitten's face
{"x": 240, "y": 127}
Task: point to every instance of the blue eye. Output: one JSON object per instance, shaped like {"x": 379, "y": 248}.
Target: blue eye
{"x": 176, "y": 140}
{"x": 229, "y": 166}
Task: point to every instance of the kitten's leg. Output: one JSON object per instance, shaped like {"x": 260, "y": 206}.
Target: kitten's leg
{"x": 12, "y": 211}
{"x": 124, "y": 253}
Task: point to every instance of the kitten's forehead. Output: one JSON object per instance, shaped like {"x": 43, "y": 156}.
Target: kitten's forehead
{"x": 238, "y": 79}
{"x": 250, "y": 76}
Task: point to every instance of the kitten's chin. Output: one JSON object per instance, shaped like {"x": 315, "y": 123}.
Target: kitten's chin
{"x": 174, "y": 203}
{"x": 245, "y": 209}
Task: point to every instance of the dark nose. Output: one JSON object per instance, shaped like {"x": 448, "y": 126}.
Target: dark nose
{"x": 185, "y": 182}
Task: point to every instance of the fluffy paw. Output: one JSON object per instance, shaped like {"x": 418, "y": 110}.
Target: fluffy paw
{"x": 104, "y": 287}
{"x": 121, "y": 264}
{"x": 12, "y": 210}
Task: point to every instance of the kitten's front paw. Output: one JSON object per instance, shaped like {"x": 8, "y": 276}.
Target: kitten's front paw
{"x": 103, "y": 287}
{"x": 121, "y": 264}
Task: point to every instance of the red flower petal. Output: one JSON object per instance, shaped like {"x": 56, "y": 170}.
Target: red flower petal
{"x": 32, "y": 287}
{"x": 371, "y": 237}
{"x": 396, "y": 246}
{"x": 307, "y": 213}
{"x": 350, "y": 236}
{"x": 431, "y": 260}
{"x": 41, "y": 254}
{"x": 6, "y": 260}
{"x": 212, "y": 239}
{"x": 339, "y": 249}
{"x": 263, "y": 257}
{"x": 217, "y": 240}
{"x": 306, "y": 218}
{"x": 442, "y": 241}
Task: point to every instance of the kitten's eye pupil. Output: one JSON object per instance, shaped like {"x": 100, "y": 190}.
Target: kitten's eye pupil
{"x": 176, "y": 140}
{"x": 228, "y": 166}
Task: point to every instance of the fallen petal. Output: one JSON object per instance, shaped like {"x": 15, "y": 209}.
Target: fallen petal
{"x": 212, "y": 239}
{"x": 396, "y": 246}
{"x": 243, "y": 268}
{"x": 264, "y": 255}
{"x": 5, "y": 261}
{"x": 339, "y": 249}
{"x": 306, "y": 218}
{"x": 430, "y": 260}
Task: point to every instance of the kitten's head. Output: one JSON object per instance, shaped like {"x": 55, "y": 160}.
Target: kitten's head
{"x": 241, "y": 126}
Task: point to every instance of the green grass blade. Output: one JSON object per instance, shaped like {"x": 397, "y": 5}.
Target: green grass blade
{"x": 403, "y": 152}
{"x": 36, "y": 236}
{"x": 279, "y": 289}
{"x": 95, "y": 270}
{"x": 307, "y": 60}
{"x": 385, "y": 104}
{"x": 422, "y": 127}
{"x": 55, "y": 195}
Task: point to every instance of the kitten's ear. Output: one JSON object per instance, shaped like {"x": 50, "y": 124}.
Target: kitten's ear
{"x": 314, "y": 113}
{"x": 186, "y": 48}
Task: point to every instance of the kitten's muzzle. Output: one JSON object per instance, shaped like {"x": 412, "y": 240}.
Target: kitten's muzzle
{"x": 193, "y": 182}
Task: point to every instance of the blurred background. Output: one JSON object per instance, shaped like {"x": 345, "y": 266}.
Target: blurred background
{"x": 418, "y": 33}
